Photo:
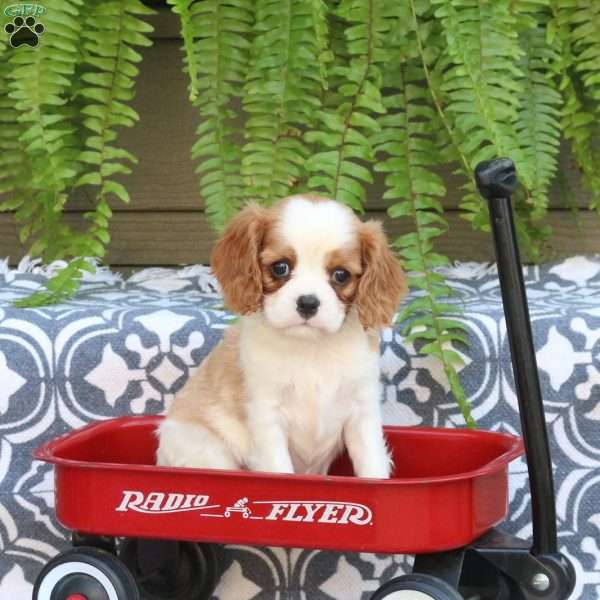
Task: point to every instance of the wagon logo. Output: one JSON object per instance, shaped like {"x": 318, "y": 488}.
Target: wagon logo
{"x": 295, "y": 511}
{"x": 159, "y": 502}
{"x": 241, "y": 506}
{"x": 340, "y": 513}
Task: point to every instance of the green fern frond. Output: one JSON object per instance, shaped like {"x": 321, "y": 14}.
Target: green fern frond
{"x": 320, "y": 25}
{"x": 62, "y": 286}
{"x": 429, "y": 47}
{"x": 106, "y": 71}
{"x": 221, "y": 29}
{"x": 343, "y": 138}
{"x": 528, "y": 12}
{"x": 482, "y": 47}
{"x": 584, "y": 17}
{"x": 538, "y": 124}
{"x": 405, "y": 141}
{"x": 281, "y": 95}
{"x": 578, "y": 119}
{"x": 481, "y": 82}
{"x": 15, "y": 173}
{"x": 183, "y": 9}
{"x": 40, "y": 83}
{"x": 112, "y": 31}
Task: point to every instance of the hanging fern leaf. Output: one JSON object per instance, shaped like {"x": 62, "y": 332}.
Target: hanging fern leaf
{"x": 481, "y": 82}
{"x": 585, "y": 34}
{"x": 429, "y": 46}
{"x": 15, "y": 173}
{"x": 221, "y": 29}
{"x": 39, "y": 85}
{"x": 409, "y": 154}
{"x": 107, "y": 74}
{"x": 281, "y": 94}
{"x": 578, "y": 120}
{"x": 183, "y": 9}
{"x": 343, "y": 138}
{"x": 112, "y": 31}
{"x": 538, "y": 123}
{"x": 321, "y": 32}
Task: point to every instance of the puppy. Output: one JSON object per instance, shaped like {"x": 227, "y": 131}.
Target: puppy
{"x": 297, "y": 377}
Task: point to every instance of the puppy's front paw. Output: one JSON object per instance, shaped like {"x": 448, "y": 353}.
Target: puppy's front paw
{"x": 271, "y": 464}
{"x": 375, "y": 473}
{"x": 272, "y": 468}
{"x": 380, "y": 469}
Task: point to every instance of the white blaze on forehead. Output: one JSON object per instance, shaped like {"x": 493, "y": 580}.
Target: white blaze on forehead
{"x": 316, "y": 228}
{"x": 312, "y": 229}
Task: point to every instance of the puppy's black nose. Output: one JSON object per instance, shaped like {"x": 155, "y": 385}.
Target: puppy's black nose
{"x": 307, "y": 306}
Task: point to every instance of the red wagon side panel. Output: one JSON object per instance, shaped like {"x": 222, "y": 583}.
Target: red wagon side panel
{"x": 449, "y": 487}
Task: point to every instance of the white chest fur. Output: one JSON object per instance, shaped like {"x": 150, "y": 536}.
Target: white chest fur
{"x": 310, "y": 384}
{"x": 314, "y": 413}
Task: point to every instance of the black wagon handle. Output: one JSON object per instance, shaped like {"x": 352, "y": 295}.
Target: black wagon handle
{"x": 497, "y": 180}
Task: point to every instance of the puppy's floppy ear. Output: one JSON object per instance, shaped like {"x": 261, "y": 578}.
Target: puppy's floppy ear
{"x": 235, "y": 259}
{"x": 382, "y": 283}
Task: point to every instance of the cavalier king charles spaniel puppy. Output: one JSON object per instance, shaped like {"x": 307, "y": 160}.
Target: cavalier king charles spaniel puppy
{"x": 296, "y": 379}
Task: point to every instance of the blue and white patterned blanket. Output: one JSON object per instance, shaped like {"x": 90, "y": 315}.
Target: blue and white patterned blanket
{"x": 125, "y": 347}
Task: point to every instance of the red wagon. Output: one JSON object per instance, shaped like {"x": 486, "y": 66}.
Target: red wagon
{"x": 447, "y": 493}
{"x": 449, "y": 487}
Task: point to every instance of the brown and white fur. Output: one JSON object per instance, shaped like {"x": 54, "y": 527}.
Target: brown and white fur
{"x": 285, "y": 391}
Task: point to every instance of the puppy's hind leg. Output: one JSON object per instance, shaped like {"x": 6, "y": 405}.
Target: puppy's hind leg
{"x": 192, "y": 445}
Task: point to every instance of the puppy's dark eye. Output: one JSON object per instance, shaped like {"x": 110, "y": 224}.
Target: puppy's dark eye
{"x": 340, "y": 276}
{"x": 280, "y": 269}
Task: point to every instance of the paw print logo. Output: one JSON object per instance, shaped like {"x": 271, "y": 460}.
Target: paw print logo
{"x": 24, "y": 31}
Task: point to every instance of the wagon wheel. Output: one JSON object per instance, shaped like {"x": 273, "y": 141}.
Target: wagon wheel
{"x": 87, "y": 573}
{"x": 172, "y": 570}
{"x": 416, "y": 587}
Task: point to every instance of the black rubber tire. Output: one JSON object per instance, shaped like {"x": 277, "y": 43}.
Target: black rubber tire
{"x": 428, "y": 586}
{"x": 91, "y": 572}
{"x": 198, "y": 572}
{"x": 570, "y": 587}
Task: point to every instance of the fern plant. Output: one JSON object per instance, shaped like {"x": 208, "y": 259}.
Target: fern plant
{"x": 416, "y": 191}
{"x": 217, "y": 46}
{"x": 481, "y": 83}
{"x": 298, "y": 95}
{"x": 281, "y": 94}
{"x": 38, "y": 84}
{"x": 70, "y": 95}
{"x": 584, "y": 19}
{"x": 538, "y": 121}
{"x": 15, "y": 170}
{"x": 408, "y": 155}
{"x": 580, "y": 113}
{"x": 345, "y": 129}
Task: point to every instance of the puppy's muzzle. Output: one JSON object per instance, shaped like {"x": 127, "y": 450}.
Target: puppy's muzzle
{"x": 307, "y": 306}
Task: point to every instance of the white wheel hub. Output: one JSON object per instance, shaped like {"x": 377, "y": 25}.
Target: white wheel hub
{"x": 71, "y": 568}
